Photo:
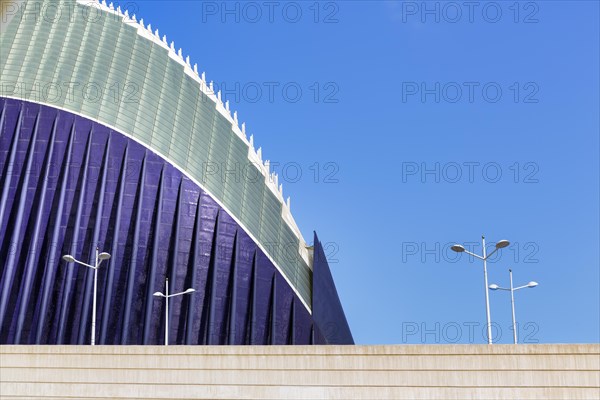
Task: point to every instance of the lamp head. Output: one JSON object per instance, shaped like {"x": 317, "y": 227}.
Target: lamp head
{"x": 103, "y": 256}
{"x": 502, "y": 244}
{"x": 458, "y": 248}
{"x": 68, "y": 258}
{"x": 532, "y": 284}
{"x": 190, "y": 290}
{"x": 158, "y": 294}
{"x": 493, "y": 286}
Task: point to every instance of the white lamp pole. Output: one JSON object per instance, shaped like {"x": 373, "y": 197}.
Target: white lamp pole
{"x": 460, "y": 249}
{"x": 99, "y": 258}
{"x": 167, "y": 296}
{"x": 512, "y": 305}
{"x": 512, "y": 290}
{"x": 487, "y": 297}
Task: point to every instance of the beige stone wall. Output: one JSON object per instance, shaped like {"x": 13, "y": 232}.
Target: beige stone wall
{"x": 301, "y": 372}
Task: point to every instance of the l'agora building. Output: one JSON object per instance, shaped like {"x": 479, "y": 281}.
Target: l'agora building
{"x": 110, "y": 137}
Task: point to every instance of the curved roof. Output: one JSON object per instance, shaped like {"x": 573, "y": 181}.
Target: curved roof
{"x": 106, "y": 65}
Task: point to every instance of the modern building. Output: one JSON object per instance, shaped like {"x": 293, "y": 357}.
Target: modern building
{"x": 110, "y": 138}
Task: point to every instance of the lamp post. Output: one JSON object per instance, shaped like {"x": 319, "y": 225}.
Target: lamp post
{"x": 167, "y": 296}
{"x": 512, "y": 290}
{"x": 460, "y": 249}
{"x": 99, "y": 258}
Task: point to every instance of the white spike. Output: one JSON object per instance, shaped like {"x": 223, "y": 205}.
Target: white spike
{"x": 219, "y": 96}
{"x": 251, "y": 136}
{"x": 244, "y": 132}
{"x": 235, "y": 117}
{"x": 119, "y": 10}
{"x": 111, "y": 6}
{"x": 280, "y": 188}
{"x": 227, "y": 105}
{"x": 289, "y": 202}
{"x": 173, "y": 46}
{"x": 204, "y": 76}
{"x": 126, "y": 13}
{"x": 187, "y": 60}
{"x": 259, "y": 153}
{"x": 142, "y": 22}
{"x": 156, "y": 33}
{"x": 196, "y": 69}
{"x": 179, "y": 53}
{"x": 164, "y": 39}
{"x": 150, "y": 28}
{"x": 104, "y": 3}
{"x": 134, "y": 18}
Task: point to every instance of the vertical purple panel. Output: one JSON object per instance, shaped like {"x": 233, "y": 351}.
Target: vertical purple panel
{"x": 328, "y": 313}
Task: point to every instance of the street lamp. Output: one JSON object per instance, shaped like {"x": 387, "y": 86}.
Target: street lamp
{"x": 167, "y": 296}
{"x": 500, "y": 245}
{"x": 512, "y": 289}
{"x": 99, "y": 258}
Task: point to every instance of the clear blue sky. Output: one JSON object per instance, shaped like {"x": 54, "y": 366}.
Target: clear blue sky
{"x": 404, "y": 174}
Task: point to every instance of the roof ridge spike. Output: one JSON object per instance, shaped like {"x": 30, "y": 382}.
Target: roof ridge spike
{"x": 150, "y": 28}
{"x": 289, "y": 203}
{"x": 164, "y": 39}
{"x": 251, "y": 136}
{"x": 204, "y": 76}
{"x": 235, "y": 118}
{"x": 142, "y": 22}
{"x": 173, "y": 46}
{"x": 126, "y": 14}
{"x": 112, "y": 8}
{"x": 119, "y": 10}
{"x": 156, "y": 33}
{"x": 187, "y": 60}
{"x": 196, "y": 68}
{"x": 227, "y": 106}
{"x": 179, "y": 53}
{"x": 244, "y": 132}
{"x": 134, "y": 18}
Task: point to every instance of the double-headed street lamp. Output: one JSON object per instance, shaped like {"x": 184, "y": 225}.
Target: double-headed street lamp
{"x": 167, "y": 296}
{"x": 460, "y": 249}
{"x": 512, "y": 289}
{"x": 99, "y": 258}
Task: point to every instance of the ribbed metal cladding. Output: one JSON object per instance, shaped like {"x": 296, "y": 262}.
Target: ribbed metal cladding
{"x": 129, "y": 78}
{"x": 69, "y": 184}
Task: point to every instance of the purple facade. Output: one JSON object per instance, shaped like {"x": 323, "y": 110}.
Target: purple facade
{"x": 68, "y": 183}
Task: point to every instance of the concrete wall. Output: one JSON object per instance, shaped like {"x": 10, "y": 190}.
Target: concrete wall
{"x": 301, "y": 372}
